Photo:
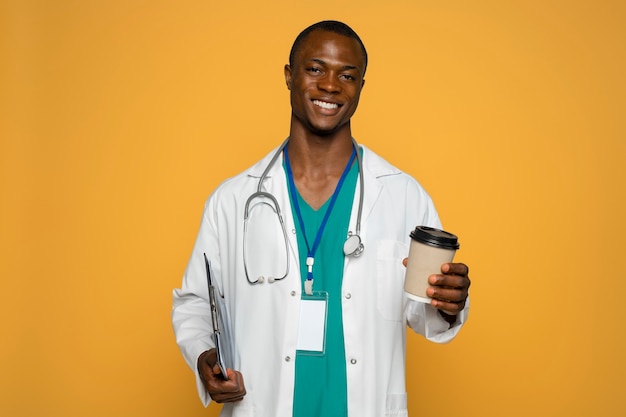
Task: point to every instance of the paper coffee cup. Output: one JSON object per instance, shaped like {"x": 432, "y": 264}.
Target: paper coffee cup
{"x": 430, "y": 248}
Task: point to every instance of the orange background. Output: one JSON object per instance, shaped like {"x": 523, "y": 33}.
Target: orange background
{"x": 119, "y": 117}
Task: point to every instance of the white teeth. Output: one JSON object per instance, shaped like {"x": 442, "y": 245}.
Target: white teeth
{"x": 325, "y": 105}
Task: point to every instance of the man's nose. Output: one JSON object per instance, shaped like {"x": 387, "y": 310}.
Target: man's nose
{"x": 329, "y": 83}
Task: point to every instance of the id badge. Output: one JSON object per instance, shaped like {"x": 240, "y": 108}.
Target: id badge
{"x": 312, "y": 328}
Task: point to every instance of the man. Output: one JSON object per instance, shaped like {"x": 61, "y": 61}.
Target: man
{"x": 358, "y": 369}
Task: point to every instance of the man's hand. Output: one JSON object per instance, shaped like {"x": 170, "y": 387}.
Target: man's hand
{"x": 448, "y": 291}
{"x": 220, "y": 389}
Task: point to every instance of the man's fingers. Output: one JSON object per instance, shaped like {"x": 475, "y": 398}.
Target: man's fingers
{"x": 447, "y": 307}
{"x": 228, "y": 399}
{"x": 448, "y": 281}
{"x": 455, "y": 269}
{"x": 454, "y": 276}
{"x": 217, "y": 371}
{"x": 229, "y": 390}
{"x": 447, "y": 294}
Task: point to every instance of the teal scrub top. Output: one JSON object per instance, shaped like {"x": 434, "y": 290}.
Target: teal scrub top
{"x": 320, "y": 381}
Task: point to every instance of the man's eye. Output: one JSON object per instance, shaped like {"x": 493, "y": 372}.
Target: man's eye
{"x": 314, "y": 70}
{"x": 348, "y": 77}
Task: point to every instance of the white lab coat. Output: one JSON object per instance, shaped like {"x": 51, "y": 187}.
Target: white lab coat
{"x": 265, "y": 316}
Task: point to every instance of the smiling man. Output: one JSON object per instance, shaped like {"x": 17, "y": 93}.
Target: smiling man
{"x": 325, "y": 77}
{"x": 307, "y": 251}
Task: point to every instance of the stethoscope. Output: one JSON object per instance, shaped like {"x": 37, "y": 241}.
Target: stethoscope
{"x": 353, "y": 246}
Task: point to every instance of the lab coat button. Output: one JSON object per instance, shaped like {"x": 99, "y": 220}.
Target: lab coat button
{"x": 348, "y": 296}
{"x": 353, "y": 361}
{"x": 293, "y": 293}
{"x": 287, "y": 358}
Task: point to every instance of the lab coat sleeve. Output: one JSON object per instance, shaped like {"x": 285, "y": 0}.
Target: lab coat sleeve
{"x": 424, "y": 319}
{"x": 421, "y": 317}
{"x": 191, "y": 313}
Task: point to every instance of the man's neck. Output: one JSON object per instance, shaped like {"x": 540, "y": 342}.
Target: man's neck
{"x": 317, "y": 163}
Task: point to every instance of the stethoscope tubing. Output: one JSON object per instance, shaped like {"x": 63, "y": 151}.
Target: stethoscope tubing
{"x": 259, "y": 193}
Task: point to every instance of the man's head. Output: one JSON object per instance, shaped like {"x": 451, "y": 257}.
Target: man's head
{"x": 325, "y": 78}
{"x": 328, "y": 26}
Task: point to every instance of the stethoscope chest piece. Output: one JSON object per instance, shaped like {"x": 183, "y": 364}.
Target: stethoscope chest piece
{"x": 353, "y": 246}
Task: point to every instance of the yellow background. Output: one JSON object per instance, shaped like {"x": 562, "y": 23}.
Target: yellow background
{"x": 119, "y": 117}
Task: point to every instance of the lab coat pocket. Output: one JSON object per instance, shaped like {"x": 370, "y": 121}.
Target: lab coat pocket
{"x": 396, "y": 405}
{"x": 390, "y": 298}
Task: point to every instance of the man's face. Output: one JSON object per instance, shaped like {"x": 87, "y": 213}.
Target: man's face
{"x": 325, "y": 81}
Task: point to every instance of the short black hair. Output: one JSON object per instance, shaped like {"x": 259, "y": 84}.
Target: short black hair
{"x": 327, "y": 26}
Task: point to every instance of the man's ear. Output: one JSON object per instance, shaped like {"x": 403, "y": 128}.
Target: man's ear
{"x": 288, "y": 76}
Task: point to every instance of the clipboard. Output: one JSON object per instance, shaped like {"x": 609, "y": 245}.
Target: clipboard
{"x": 221, "y": 325}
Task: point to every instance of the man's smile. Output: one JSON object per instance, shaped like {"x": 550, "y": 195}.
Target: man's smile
{"x": 325, "y": 104}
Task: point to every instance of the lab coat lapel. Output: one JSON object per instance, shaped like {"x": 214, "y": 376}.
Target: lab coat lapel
{"x": 371, "y": 193}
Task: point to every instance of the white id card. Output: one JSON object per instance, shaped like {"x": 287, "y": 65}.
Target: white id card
{"x": 312, "y": 329}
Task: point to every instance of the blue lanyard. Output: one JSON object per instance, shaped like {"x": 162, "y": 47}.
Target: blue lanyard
{"x": 292, "y": 186}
